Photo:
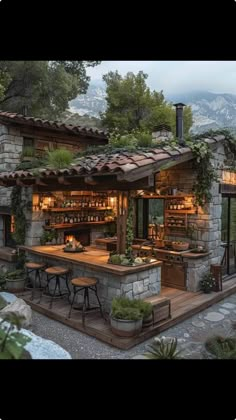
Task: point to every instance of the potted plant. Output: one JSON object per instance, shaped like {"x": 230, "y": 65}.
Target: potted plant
{"x": 15, "y": 280}
{"x": 126, "y": 319}
{"x": 146, "y": 311}
{"x": 207, "y": 283}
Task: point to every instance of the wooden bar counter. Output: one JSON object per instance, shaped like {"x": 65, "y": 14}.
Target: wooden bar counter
{"x": 138, "y": 281}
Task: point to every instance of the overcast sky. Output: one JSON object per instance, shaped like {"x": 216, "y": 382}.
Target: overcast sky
{"x": 177, "y": 76}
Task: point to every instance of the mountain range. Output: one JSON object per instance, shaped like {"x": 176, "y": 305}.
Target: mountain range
{"x": 210, "y": 110}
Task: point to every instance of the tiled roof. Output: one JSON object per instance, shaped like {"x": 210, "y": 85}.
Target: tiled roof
{"x": 9, "y": 117}
{"x": 118, "y": 163}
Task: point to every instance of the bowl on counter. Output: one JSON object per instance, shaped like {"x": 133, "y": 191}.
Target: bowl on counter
{"x": 180, "y": 246}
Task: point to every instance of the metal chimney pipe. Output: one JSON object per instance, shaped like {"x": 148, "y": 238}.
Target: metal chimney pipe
{"x": 180, "y": 123}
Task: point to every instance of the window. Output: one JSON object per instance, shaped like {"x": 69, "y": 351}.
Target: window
{"x": 28, "y": 142}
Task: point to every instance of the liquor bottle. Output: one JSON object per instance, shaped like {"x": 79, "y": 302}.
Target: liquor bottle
{"x": 71, "y": 219}
{"x": 91, "y": 218}
{"x": 96, "y": 203}
{"x": 65, "y": 219}
{"x": 75, "y": 219}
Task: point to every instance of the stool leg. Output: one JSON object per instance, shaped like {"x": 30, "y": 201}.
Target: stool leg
{"x": 68, "y": 288}
{"x": 100, "y": 306}
{"x": 55, "y": 288}
{"x": 84, "y": 304}
{"x": 27, "y": 280}
{"x": 72, "y": 303}
{"x": 33, "y": 289}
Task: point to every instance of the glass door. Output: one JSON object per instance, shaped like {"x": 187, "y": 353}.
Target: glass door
{"x": 228, "y": 234}
{"x": 232, "y": 236}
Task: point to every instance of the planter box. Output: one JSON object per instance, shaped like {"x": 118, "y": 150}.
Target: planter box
{"x": 161, "y": 308}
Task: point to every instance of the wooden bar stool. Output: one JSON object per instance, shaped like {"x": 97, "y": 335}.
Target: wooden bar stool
{"x": 36, "y": 268}
{"x": 57, "y": 273}
{"x": 85, "y": 284}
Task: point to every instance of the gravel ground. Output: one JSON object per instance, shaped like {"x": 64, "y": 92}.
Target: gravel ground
{"x": 191, "y": 334}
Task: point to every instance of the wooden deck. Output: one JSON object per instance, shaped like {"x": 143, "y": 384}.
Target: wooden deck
{"x": 183, "y": 305}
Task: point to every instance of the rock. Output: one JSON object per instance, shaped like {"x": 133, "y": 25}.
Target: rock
{"x": 39, "y": 348}
{"x": 229, "y": 305}
{"x": 20, "y": 308}
{"x": 224, "y": 311}
{"x": 9, "y": 297}
{"x": 186, "y": 335}
{"x": 214, "y": 316}
{"x": 199, "y": 324}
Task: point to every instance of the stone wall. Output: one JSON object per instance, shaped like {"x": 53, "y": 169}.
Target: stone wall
{"x": 207, "y": 221}
{"x": 11, "y": 143}
{"x": 138, "y": 285}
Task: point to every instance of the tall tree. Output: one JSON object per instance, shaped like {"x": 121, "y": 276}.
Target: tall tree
{"x": 43, "y": 87}
{"x": 132, "y": 105}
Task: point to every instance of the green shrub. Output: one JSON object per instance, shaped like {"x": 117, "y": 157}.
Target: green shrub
{"x": 221, "y": 347}
{"x": 16, "y": 274}
{"x": 164, "y": 350}
{"x": 144, "y": 139}
{"x": 59, "y": 158}
{"x": 123, "y": 307}
{"x": 144, "y": 307}
{"x": 207, "y": 283}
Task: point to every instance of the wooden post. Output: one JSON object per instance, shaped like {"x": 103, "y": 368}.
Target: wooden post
{"x": 122, "y": 212}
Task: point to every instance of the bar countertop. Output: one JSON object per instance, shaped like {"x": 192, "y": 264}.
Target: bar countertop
{"x": 92, "y": 257}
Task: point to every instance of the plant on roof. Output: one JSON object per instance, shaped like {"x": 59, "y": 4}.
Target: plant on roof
{"x": 59, "y": 158}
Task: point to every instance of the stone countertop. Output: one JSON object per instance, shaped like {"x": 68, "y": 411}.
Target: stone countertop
{"x": 92, "y": 258}
{"x": 184, "y": 254}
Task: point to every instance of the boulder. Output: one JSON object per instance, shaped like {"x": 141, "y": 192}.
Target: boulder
{"x": 40, "y": 348}
{"x": 20, "y": 308}
{"x": 9, "y": 297}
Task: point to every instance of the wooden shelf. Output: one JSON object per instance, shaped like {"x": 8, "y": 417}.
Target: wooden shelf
{"x": 192, "y": 211}
{"x": 67, "y": 225}
{"x": 70, "y": 209}
{"x": 165, "y": 196}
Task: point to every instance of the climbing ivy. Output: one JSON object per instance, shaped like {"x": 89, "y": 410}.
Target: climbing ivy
{"x": 129, "y": 229}
{"x": 205, "y": 172}
{"x": 18, "y": 207}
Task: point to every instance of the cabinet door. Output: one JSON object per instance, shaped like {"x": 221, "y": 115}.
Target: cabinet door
{"x": 174, "y": 275}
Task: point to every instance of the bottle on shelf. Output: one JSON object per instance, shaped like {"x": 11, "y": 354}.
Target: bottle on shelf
{"x": 65, "y": 219}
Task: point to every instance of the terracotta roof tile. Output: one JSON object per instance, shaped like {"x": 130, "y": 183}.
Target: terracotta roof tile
{"x": 123, "y": 162}
{"x": 8, "y": 117}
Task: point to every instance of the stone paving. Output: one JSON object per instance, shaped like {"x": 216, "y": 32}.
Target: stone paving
{"x": 191, "y": 334}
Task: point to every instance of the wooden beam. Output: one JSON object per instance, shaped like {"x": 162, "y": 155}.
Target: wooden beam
{"x": 38, "y": 181}
{"x": 90, "y": 180}
{"x": 20, "y": 183}
{"x": 62, "y": 181}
